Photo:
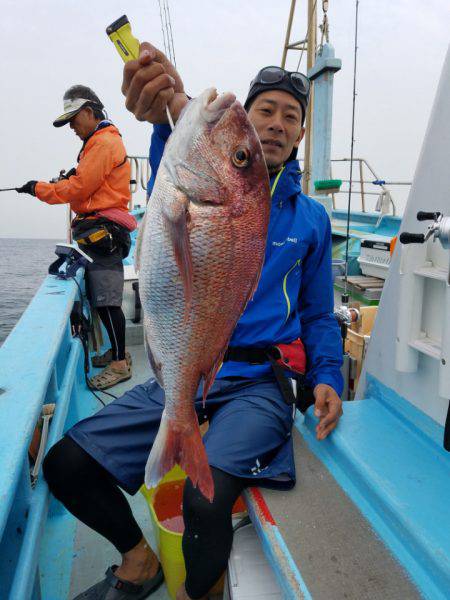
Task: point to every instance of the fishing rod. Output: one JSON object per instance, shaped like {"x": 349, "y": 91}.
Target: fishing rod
{"x": 345, "y": 296}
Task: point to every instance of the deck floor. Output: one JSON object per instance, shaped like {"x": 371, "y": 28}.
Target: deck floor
{"x": 334, "y": 547}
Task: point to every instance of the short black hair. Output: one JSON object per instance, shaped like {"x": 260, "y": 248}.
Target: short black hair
{"x": 82, "y": 91}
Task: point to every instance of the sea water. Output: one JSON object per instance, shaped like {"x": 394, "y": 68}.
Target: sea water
{"x": 23, "y": 266}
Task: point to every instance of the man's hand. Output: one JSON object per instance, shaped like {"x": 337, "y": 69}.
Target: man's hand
{"x": 28, "y": 188}
{"x": 151, "y": 83}
{"x": 328, "y": 407}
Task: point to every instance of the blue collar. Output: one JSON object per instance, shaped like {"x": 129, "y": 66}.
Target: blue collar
{"x": 287, "y": 183}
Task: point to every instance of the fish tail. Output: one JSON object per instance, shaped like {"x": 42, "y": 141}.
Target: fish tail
{"x": 182, "y": 445}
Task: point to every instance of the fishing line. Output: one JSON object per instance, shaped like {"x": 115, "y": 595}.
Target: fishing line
{"x": 171, "y": 35}
{"x": 169, "y": 116}
{"x": 169, "y": 49}
{"x": 162, "y": 28}
{"x": 167, "y": 30}
{"x": 351, "y": 151}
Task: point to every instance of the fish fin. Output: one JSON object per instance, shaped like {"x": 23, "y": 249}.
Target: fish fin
{"x": 177, "y": 228}
{"x": 179, "y": 443}
{"x": 137, "y": 249}
{"x": 156, "y": 366}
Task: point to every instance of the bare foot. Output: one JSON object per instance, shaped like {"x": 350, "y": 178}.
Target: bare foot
{"x": 139, "y": 564}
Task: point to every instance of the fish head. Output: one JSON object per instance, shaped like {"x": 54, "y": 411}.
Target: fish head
{"x": 216, "y": 157}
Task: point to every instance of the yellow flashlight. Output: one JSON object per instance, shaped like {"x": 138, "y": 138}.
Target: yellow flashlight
{"x": 124, "y": 41}
{"x": 127, "y": 46}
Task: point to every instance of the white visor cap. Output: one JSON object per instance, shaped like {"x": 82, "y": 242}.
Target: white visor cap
{"x": 71, "y": 108}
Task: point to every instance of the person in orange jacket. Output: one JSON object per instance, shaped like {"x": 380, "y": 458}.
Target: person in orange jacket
{"x": 98, "y": 192}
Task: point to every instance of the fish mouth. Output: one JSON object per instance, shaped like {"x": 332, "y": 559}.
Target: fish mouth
{"x": 215, "y": 106}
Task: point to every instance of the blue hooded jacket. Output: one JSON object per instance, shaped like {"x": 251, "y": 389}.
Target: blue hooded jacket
{"x": 294, "y": 298}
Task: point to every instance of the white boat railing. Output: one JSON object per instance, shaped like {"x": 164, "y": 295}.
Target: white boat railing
{"x": 366, "y": 176}
{"x": 140, "y": 174}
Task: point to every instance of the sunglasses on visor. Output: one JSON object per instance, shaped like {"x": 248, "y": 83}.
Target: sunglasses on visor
{"x": 274, "y": 75}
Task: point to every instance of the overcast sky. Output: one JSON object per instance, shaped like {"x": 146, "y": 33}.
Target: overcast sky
{"x": 50, "y": 45}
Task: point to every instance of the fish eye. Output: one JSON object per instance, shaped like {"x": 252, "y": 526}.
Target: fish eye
{"x": 241, "y": 157}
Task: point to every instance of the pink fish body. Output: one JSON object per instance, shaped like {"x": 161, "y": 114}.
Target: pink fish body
{"x": 200, "y": 253}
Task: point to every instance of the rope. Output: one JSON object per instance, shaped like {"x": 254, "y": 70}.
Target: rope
{"x": 307, "y": 34}
{"x": 351, "y": 150}
{"x": 324, "y": 27}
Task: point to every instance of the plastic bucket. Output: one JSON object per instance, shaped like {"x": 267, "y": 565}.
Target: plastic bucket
{"x": 166, "y": 510}
{"x": 165, "y": 504}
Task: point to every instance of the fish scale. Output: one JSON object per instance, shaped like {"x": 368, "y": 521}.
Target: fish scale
{"x": 201, "y": 251}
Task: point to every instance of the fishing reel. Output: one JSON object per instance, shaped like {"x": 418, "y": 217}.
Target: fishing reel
{"x": 439, "y": 230}
{"x": 63, "y": 175}
{"x": 72, "y": 257}
{"x": 347, "y": 316}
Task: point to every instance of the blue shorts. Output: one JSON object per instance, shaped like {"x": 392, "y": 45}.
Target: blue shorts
{"x": 249, "y": 432}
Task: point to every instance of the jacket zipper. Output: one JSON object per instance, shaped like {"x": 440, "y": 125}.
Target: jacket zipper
{"x": 286, "y": 295}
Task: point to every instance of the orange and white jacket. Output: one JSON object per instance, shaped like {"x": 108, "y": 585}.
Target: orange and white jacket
{"x": 102, "y": 179}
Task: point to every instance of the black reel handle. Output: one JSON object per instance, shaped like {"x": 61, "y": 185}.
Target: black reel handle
{"x": 412, "y": 238}
{"x": 427, "y": 216}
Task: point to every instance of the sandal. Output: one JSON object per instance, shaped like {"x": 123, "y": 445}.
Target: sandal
{"x": 104, "y": 359}
{"x": 115, "y": 588}
{"x": 109, "y": 377}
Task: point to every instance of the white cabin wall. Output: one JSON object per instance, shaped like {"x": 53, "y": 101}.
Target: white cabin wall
{"x": 430, "y": 191}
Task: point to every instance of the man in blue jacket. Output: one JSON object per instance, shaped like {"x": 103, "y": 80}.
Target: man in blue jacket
{"x": 248, "y": 441}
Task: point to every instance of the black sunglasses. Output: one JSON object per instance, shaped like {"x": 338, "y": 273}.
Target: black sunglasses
{"x": 273, "y": 75}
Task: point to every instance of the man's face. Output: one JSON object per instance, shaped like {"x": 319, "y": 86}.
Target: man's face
{"x": 83, "y": 123}
{"x": 277, "y": 118}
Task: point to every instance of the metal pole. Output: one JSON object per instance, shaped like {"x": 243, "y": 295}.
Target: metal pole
{"x": 363, "y": 203}
{"x": 69, "y": 228}
{"x": 333, "y": 195}
{"x": 288, "y": 33}
{"x": 351, "y": 154}
{"x": 311, "y": 56}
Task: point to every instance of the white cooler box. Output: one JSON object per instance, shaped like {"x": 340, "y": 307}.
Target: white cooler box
{"x": 375, "y": 258}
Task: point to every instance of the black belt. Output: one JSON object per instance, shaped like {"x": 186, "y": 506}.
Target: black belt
{"x": 259, "y": 356}
{"x": 256, "y": 356}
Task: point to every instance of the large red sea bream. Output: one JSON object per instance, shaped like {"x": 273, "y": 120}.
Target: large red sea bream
{"x": 199, "y": 257}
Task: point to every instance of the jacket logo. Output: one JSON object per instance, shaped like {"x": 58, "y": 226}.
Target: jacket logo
{"x": 289, "y": 239}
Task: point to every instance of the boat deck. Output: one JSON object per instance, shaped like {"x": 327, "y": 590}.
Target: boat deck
{"x": 318, "y": 539}
{"x": 337, "y": 553}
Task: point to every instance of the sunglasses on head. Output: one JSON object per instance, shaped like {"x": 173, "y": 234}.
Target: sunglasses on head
{"x": 273, "y": 75}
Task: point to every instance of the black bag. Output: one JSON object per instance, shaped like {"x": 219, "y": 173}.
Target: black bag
{"x": 101, "y": 235}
